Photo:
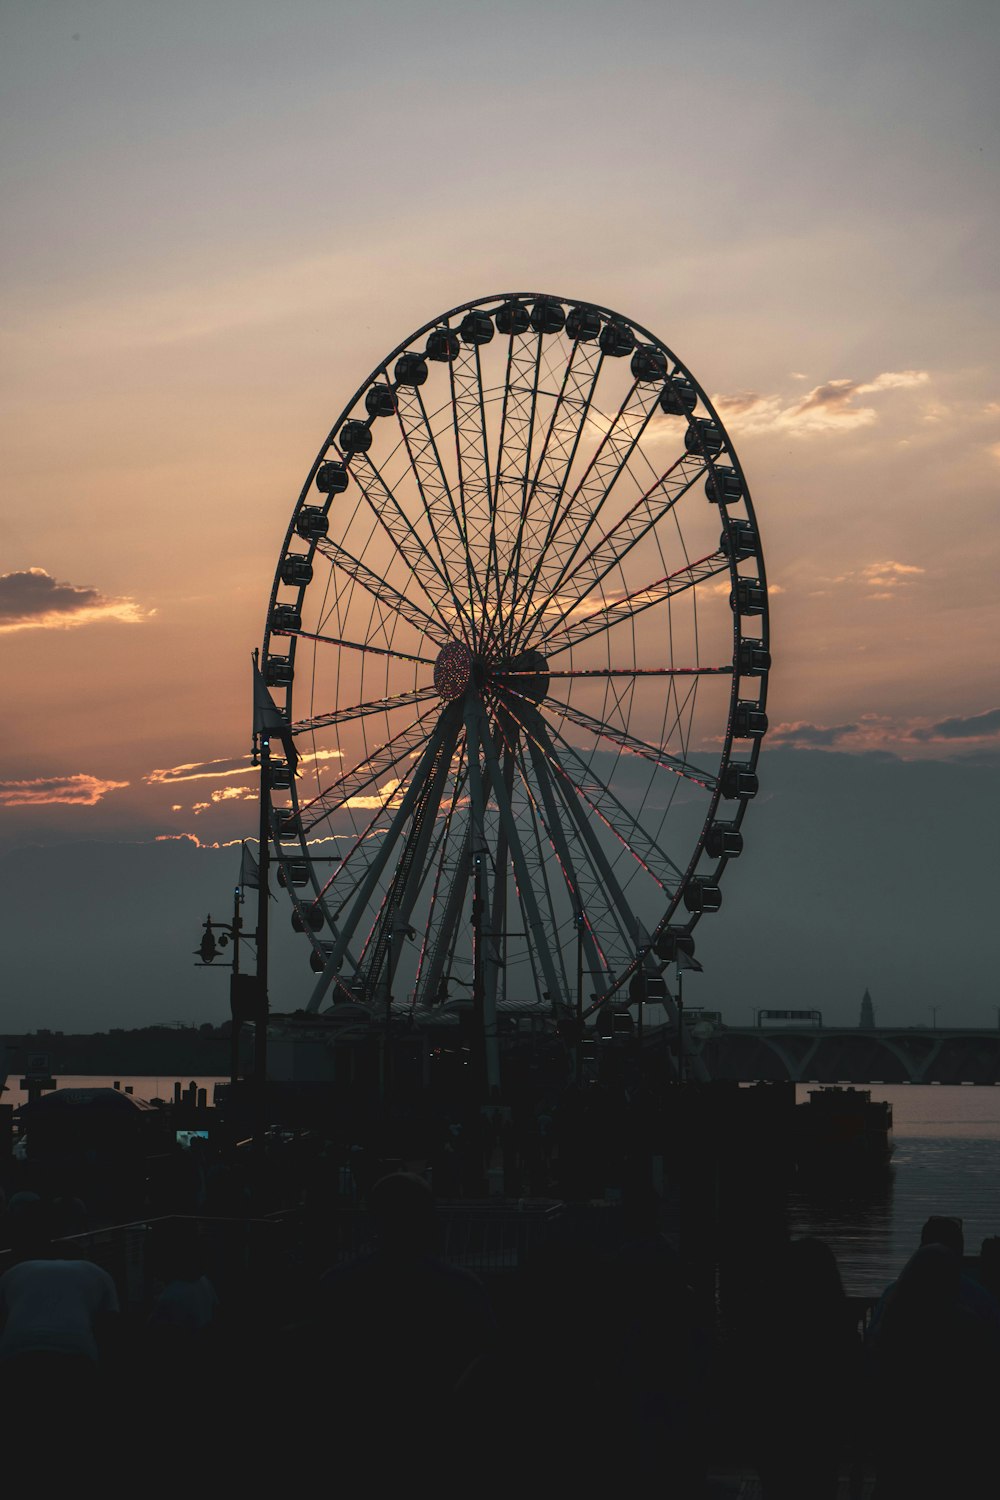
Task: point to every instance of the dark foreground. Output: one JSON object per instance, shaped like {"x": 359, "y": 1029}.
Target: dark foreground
{"x": 579, "y": 1294}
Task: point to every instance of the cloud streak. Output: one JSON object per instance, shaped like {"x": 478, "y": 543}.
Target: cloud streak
{"x": 830, "y": 407}
{"x": 32, "y": 599}
{"x": 810, "y": 734}
{"x": 79, "y": 790}
{"x": 225, "y": 766}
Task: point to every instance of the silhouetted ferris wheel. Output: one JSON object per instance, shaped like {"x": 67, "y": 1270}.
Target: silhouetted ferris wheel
{"x": 519, "y": 632}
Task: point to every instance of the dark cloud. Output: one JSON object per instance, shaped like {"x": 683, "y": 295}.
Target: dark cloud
{"x": 740, "y": 401}
{"x": 26, "y": 595}
{"x": 32, "y": 598}
{"x": 831, "y": 393}
{"x": 810, "y": 734}
{"x": 972, "y": 727}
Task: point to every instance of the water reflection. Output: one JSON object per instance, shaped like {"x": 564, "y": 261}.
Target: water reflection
{"x": 874, "y": 1227}
{"x": 856, "y": 1219}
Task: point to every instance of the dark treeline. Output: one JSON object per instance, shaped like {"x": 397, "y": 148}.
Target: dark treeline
{"x": 161, "y": 1051}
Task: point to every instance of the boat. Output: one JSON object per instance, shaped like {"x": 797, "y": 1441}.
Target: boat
{"x": 843, "y": 1129}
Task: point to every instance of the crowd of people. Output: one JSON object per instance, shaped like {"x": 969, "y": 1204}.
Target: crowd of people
{"x": 587, "y": 1366}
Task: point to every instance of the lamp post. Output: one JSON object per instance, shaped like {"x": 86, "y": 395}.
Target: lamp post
{"x": 934, "y": 1010}
{"x": 208, "y": 951}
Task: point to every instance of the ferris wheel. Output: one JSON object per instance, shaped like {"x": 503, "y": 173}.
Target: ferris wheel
{"x": 518, "y": 640}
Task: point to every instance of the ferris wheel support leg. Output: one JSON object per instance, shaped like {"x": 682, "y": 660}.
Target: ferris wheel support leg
{"x": 636, "y": 929}
{"x": 541, "y": 863}
{"x": 440, "y": 954}
{"x": 497, "y": 936}
{"x": 422, "y": 839}
{"x": 485, "y": 1003}
{"x": 521, "y": 871}
{"x": 558, "y": 837}
{"x": 380, "y": 861}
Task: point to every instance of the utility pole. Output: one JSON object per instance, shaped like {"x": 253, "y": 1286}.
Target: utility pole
{"x": 260, "y": 998}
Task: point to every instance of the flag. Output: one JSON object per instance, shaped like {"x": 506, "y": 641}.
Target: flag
{"x": 268, "y": 721}
{"x": 249, "y": 870}
{"x": 250, "y": 873}
{"x": 687, "y": 961}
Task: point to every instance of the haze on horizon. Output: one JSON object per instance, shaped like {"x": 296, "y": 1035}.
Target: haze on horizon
{"x": 220, "y": 218}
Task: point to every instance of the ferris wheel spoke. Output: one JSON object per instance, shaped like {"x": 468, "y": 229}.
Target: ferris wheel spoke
{"x": 372, "y": 650}
{"x": 352, "y": 861}
{"x": 522, "y": 429}
{"x": 633, "y": 933}
{"x": 634, "y": 744}
{"x": 424, "y": 567}
{"x": 468, "y": 418}
{"x": 362, "y": 710}
{"x": 358, "y": 860}
{"x": 375, "y": 766}
{"x": 391, "y": 599}
{"x": 565, "y": 632}
{"x": 615, "y": 816}
{"x": 580, "y": 510}
{"x": 639, "y": 520}
{"x": 437, "y": 501}
{"x": 441, "y": 742}
{"x": 582, "y": 902}
{"x": 440, "y": 861}
{"x": 581, "y": 782}
{"x": 513, "y": 461}
{"x": 522, "y": 677}
{"x": 552, "y": 476}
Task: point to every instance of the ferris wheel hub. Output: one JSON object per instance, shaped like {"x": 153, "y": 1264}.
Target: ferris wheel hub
{"x": 527, "y": 674}
{"x": 453, "y": 670}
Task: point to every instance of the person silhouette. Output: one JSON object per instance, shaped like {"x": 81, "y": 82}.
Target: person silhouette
{"x": 399, "y": 1319}
{"x": 934, "y": 1357}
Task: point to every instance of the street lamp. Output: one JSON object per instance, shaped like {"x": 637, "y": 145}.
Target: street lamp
{"x": 934, "y": 1010}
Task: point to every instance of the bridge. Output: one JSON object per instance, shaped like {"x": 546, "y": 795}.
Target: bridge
{"x": 834, "y": 1054}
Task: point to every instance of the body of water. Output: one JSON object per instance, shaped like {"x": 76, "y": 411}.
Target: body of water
{"x": 946, "y": 1161}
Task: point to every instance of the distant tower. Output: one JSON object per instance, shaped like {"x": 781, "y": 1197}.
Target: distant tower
{"x": 866, "y": 1021}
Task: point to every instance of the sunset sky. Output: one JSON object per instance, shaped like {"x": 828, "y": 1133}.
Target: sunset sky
{"x": 219, "y": 217}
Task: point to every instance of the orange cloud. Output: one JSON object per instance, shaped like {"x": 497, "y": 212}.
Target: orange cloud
{"x": 79, "y": 790}
{"x": 238, "y": 765}
{"x": 829, "y": 407}
{"x": 385, "y": 797}
{"x": 885, "y": 579}
{"x": 33, "y": 600}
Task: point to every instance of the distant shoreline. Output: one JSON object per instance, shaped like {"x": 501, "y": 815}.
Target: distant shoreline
{"x": 148, "y": 1051}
